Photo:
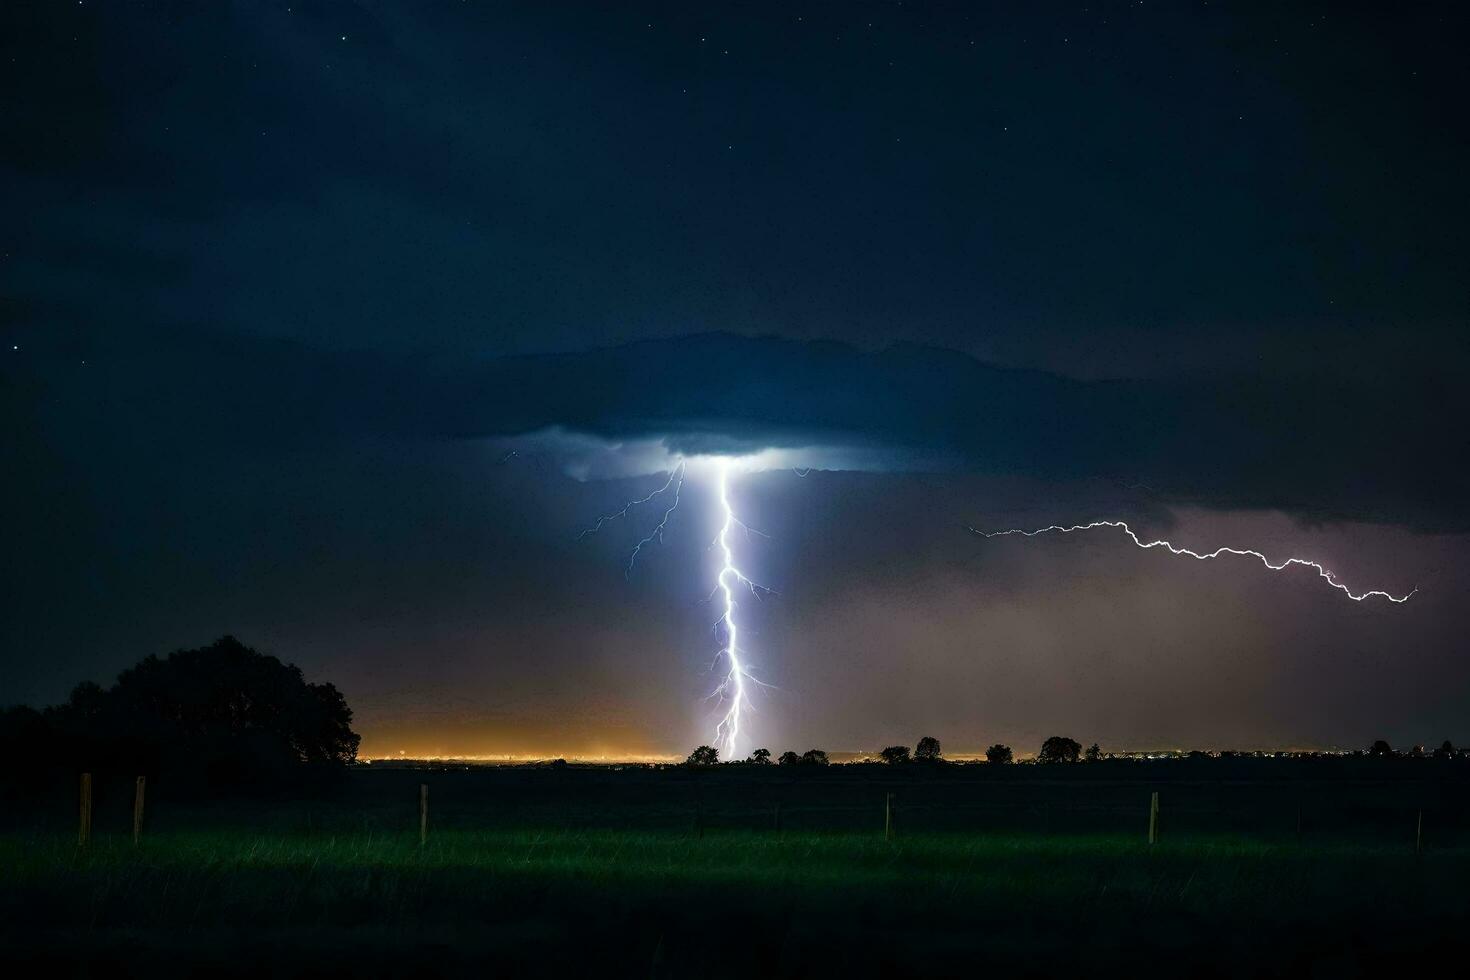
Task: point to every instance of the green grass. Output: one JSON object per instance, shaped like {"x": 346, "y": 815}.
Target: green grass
{"x": 729, "y": 903}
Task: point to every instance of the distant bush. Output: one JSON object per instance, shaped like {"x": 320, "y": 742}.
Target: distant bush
{"x": 789, "y": 758}
{"x": 1059, "y": 749}
{"x": 1380, "y": 748}
{"x": 702, "y": 757}
{"x": 895, "y": 754}
{"x": 814, "y": 757}
{"x": 1000, "y": 754}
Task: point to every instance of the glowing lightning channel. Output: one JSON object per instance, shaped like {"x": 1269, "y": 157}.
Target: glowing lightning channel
{"x": 1322, "y": 571}
{"x": 732, "y": 689}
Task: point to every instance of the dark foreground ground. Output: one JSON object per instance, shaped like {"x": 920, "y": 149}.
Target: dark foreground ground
{"x": 1272, "y": 868}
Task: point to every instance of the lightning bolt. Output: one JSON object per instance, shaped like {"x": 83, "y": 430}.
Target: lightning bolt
{"x": 732, "y": 689}
{"x": 1322, "y": 571}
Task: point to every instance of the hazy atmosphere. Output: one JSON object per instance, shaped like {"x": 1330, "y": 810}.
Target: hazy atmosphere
{"x": 331, "y": 327}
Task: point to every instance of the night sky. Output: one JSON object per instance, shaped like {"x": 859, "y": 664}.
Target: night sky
{"x": 331, "y": 326}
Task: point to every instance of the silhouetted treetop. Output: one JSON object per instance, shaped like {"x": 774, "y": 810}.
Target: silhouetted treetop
{"x": 999, "y": 754}
{"x": 223, "y": 712}
{"x": 1059, "y": 749}
{"x": 703, "y": 756}
{"x": 927, "y": 749}
{"x": 228, "y": 691}
{"x": 895, "y": 754}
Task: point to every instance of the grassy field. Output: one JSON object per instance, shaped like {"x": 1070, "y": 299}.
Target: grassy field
{"x": 342, "y": 892}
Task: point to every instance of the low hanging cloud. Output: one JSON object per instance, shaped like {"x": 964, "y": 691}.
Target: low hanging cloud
{"x": 1319, "y": 449}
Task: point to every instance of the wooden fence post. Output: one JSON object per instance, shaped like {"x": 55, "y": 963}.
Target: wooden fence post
{"x": 423, "y": 814}
{"x": 84, "y": 828}
{"x": 138, "y": 809}
{"x": 1419, "y": 834}
{"x": 888, "y": 816}
{"x": 1153, "y": 818}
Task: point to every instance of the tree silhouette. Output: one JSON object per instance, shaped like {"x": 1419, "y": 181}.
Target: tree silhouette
{"x": 1446, "y": 750}
{"x": 761, "y": 757}
{"x": 1380, "y": 748}
{"x": 702, "y": 757}
{"x": 789, "y": 758}
{"x": 1093, "y": 753}
{"x": 1059, "y": 749}
{"x": 998, "y": 753}
{"x": 927, "y": 749}
{"x": 895, "y": 754}
{"x": 224, "y": 713}
{"x": 814, "y": 757}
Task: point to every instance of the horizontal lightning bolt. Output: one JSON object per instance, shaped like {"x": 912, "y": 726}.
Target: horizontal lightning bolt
{"x": 1242, "y": 552}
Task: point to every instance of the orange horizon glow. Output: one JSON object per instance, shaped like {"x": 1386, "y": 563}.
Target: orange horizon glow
{"x": 646, "y": 757}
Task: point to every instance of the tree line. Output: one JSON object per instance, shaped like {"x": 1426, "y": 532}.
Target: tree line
{"x": 1055, "y": 749}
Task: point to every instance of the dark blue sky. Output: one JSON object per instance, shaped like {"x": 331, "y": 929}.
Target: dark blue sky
{"x": 272, "y": 275}
{"x": 1107, "y": 188}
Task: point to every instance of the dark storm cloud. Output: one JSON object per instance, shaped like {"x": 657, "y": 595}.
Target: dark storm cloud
{"x": 1314, "y": 448}
{"x": 1301, "y": 444}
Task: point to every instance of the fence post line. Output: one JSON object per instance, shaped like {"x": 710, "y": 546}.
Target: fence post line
{"x": 888, "y": 816}
{"x": 1419, "y": 834}
{"x": 138, "y": 809}
{"x": 423, "y": 814}
{"x": 1153, "y": 817}
{"x": 84, "y": 816}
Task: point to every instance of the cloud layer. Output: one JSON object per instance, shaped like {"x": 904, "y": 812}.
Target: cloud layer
{"x": 1315, "y": 448}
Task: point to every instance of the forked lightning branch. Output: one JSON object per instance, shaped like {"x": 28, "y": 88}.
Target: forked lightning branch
{"x": 732, "y": 693}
